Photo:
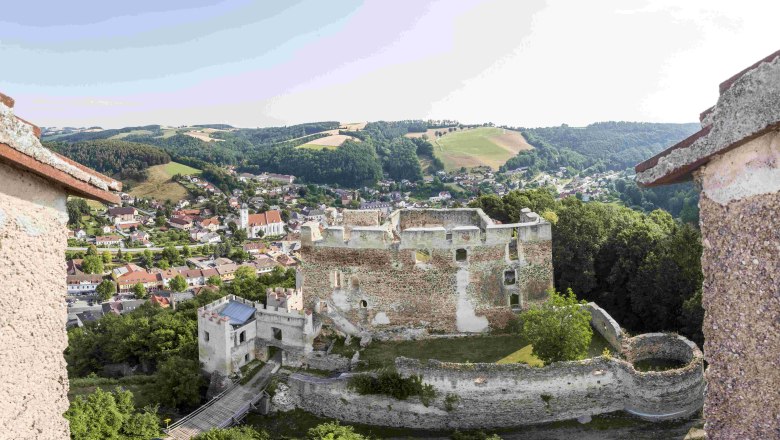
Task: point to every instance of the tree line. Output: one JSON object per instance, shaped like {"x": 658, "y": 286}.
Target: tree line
{"x": 644, "y": 269}
{"x": 118, "y": 158}
{"x": 601, "y": 146}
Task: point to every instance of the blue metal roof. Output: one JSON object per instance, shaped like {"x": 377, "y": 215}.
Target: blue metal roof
{"x": 238, "y": 313}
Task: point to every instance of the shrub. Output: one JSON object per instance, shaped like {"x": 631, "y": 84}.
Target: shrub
{"x": 451, "y": 401}
{"x": 390, "y": 383}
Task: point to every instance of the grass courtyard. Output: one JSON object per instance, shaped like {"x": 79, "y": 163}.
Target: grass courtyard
{"x": 502, "y": 349}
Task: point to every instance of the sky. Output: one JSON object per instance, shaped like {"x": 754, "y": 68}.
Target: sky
{"x": 523, "y": 63}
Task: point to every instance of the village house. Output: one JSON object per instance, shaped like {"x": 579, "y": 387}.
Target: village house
{"x": 160, "y": 300}
{"x": 107, "y": 240}
{"x": 128, "y": 226}
{"x": 164, "y": 276}
{"x": 183, "y": 223}
{"x": 384, "y": 207}
{"x": 255, "y": 248}
{"x": 278, "y": 178}
{"x": 122, "y": 214}
{"x": 121, "y": 307}
{"x": 140, "y": 237}
{"x": 83, "y": 284}
{"x": 735, "y": 161}
{"x": 227, "y": 272}
{"x": 245, "y": 177}
{"x": 129, "y": 275}
{"x": 34, "y": 185}
{"x": 212, "y": 223}
{"x": 210, "y": 238}
{"x": 87, "y": 316}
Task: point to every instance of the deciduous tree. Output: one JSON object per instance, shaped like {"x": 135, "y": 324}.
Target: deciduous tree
{"x": 105, "y": 290}
{"x": 178, "y": 283}
{"x": 558, "y": 329}
{"x": 139, "y": 291}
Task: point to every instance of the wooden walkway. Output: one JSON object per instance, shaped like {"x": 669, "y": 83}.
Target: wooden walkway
{"x": 227, "y": 408}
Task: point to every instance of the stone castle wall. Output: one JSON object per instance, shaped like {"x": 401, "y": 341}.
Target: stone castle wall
{"x": 490, "y": 396}
{"x": 385, "y": 286}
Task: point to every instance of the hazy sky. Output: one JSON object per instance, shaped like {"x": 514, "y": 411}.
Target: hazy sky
{"x": 259, "y": 63}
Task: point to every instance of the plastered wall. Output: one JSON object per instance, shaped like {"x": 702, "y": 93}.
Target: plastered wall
{"x": 740, "y": 224}
{"x": 33, "y": 394}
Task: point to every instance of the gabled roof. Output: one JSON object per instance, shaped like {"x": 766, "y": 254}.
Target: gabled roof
{"x": 748, "y": 107}
{"x": 21, "y": 147}
{"x": 180, "y": 221}
{"x": 121, "y": 210}
{"x": 265, "y": 218}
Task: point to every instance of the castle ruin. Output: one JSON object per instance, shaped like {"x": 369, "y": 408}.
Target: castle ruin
{"x": 424, "y": 271}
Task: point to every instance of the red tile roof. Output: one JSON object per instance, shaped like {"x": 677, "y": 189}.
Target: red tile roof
{"x": 265, "y": 218}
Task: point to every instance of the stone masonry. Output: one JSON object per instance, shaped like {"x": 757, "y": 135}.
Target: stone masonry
{"x": 424, "y": 270}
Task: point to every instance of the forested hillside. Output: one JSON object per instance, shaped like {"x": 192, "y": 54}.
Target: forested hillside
{"x": 600, "y": 146}
{"x": 120, "y": 159}
{"x": 154, "y": 130}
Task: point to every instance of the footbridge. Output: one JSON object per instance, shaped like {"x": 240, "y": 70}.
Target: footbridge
{"x": 227, "y": 408}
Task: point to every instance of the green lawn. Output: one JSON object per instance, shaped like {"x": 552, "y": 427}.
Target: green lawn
{"x": 173, "y": 168}
{"x": 470, "y": 148}
{"x": 487, "y": 348}
{"x": 475, "y": 349}
{"x": 524, "y": 355}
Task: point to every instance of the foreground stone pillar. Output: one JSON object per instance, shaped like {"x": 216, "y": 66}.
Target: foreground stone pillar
{"x": 735, "y": 158}
{"x": 34, "y": 184}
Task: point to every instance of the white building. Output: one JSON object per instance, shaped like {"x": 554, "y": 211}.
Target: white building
{"x": 83, "y": 283}
{"x": 269, "y": 222}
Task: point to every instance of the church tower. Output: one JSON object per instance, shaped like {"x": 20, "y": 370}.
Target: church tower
{"x": 245, "y": 218}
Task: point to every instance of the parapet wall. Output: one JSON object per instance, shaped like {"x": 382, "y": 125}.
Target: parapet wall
{"x": 491, "y": 396}
{"x": 602, "y": 322}
{"x": 426, "y": 228}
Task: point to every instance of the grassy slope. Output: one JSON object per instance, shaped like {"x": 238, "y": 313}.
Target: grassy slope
{"x": 474, "y": 147}
{"x": 159, "y": 184}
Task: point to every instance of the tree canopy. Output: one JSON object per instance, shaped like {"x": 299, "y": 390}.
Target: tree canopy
{"x": 558, "y": 329}
{"x": 110, "y": 415}
{"x": 644, "y": 269}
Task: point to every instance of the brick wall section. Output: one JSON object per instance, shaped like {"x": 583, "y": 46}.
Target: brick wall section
{"x": 390, "y": 282}
{"x": 447, "y": 218}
